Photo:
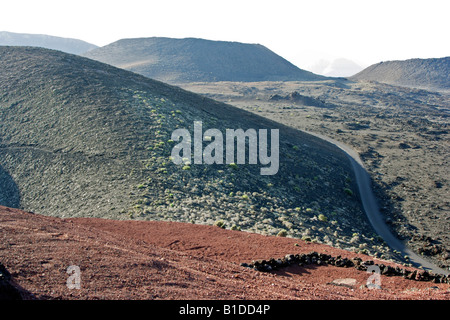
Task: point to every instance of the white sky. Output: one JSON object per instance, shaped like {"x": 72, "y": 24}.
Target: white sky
{"x": 301, "y": 31}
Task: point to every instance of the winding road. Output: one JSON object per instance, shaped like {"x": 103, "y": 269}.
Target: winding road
{"x": 373, "y": 213}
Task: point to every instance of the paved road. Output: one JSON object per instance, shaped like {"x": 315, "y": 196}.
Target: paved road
{"x": 373, "y": 213}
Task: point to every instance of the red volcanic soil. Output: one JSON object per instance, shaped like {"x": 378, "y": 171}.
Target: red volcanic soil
{"x": 173, "y": 261}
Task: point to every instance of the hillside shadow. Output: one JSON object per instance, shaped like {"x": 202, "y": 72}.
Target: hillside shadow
{"x": 291, "y": 270}
{"x": 9, "y": 191}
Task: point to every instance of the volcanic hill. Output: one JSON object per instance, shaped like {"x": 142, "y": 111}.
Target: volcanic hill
{"x": 79, "y": 138}
{"x": 432, "y": 74}
{"x": 199, "y": 60}
{"x": 68, "y": 45}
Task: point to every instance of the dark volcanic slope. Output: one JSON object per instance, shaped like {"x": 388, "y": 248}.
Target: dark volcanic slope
{"x": 417, "y": 73}
{"x": 79, "y": 138}
{"x": 68, "y": 45}
{"x": 198, "y": 60}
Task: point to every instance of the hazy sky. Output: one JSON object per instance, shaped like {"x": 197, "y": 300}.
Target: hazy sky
{"x": 301, "y": 31}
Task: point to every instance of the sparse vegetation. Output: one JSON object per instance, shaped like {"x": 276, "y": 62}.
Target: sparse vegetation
{"x": 348, "y": 191}
{"x": 235, "y": 227}
{"x": 233, "y": 165}
{"x": 409, "y": 118}
{"x": 220, "y": 224}
{"x": 121, "y": 157}
{"x": 282, "y": 233}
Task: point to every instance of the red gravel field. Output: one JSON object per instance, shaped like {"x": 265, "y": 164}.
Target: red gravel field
{"x": 150, "y": 260}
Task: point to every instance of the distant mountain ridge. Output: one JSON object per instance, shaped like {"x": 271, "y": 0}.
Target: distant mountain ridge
{"x": 199, "y": 60}
{"x": 431, "y": 73}
{"x": 67, "y": 45}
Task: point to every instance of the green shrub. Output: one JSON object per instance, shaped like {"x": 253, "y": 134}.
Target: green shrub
{"x": 282, "y": 233}
{"x": 233, "y": 165}
{"x": 365, "y": 251}
{"x": 348, "y": 191}
{"x": 321, "y": 217}
{"x": 220, "y": 224}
